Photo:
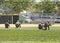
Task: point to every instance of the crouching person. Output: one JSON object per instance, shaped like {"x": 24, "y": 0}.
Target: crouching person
{"x": 7, "y": 25}
{"x": 40, "y": 26}
{"x": 18, "y": 24}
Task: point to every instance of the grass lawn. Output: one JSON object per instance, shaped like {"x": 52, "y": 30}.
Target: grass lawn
{"x": 30, "y": 34}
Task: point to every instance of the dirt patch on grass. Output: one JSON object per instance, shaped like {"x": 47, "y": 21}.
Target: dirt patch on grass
{"x": 27, "y": 25}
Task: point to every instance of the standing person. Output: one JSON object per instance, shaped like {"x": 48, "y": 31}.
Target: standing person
{"x": 45, "y": 25}
{"x": 48, "y": 25}
{"x": 18, "y": 24}
{"x": 42, "y": 24}
{"x": 6, "y": 25}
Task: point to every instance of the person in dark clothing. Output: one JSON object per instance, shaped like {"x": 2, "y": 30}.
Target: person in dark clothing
{"x": 6, "y": 25}
{"x": 18, "y": 24}
{"x": 45, "y": 26}
{"x": 40, "y": 26}
{"x": 48, "y": 25}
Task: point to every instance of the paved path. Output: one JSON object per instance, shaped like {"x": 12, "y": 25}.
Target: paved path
{"x": 27, "y": 25}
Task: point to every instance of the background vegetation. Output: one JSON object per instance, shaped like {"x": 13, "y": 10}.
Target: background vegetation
{"x": 32, "y": 6}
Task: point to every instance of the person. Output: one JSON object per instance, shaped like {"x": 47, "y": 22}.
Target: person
{"x": 48, "y": 25}
{"x": 6, "y": 25}
{"x": 40, "y": 26}
{"x": 45, "y": 26}
{"x": 18, "y": 24}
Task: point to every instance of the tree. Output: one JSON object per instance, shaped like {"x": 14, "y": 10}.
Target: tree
{"x": 18, "y": 5}
{"x": 45, "y": 7}
{"x": 58, "y": 5}
{"x": 48, "y": 7}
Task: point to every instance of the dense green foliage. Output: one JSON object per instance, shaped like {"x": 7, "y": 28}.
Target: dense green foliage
{"x": 17, "y": 5}
{"x": 48, "y": 7}
{"x": 45, "y": 7}
{"x": 30, "y": 5}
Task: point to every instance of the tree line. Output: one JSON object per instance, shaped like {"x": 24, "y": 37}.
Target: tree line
{"x": 30, "y": 5}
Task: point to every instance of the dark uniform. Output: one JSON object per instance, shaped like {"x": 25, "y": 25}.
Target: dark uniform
{"x": 45, "y": 26}
{"x": 6, "y": 25}
{"x": 48, "y": 25}
{"x": 40, "y": 26}
{"x": 18, "y": 24}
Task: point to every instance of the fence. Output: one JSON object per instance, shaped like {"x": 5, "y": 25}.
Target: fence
{"x": 37, "y": 17}
{"x": 10, "y": 18}
{"x": 29, "y": 18}
{"x": 4, "y": 19}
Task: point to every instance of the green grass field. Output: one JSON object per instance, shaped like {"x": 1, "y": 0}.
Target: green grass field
{"x": 32, "y": 34}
